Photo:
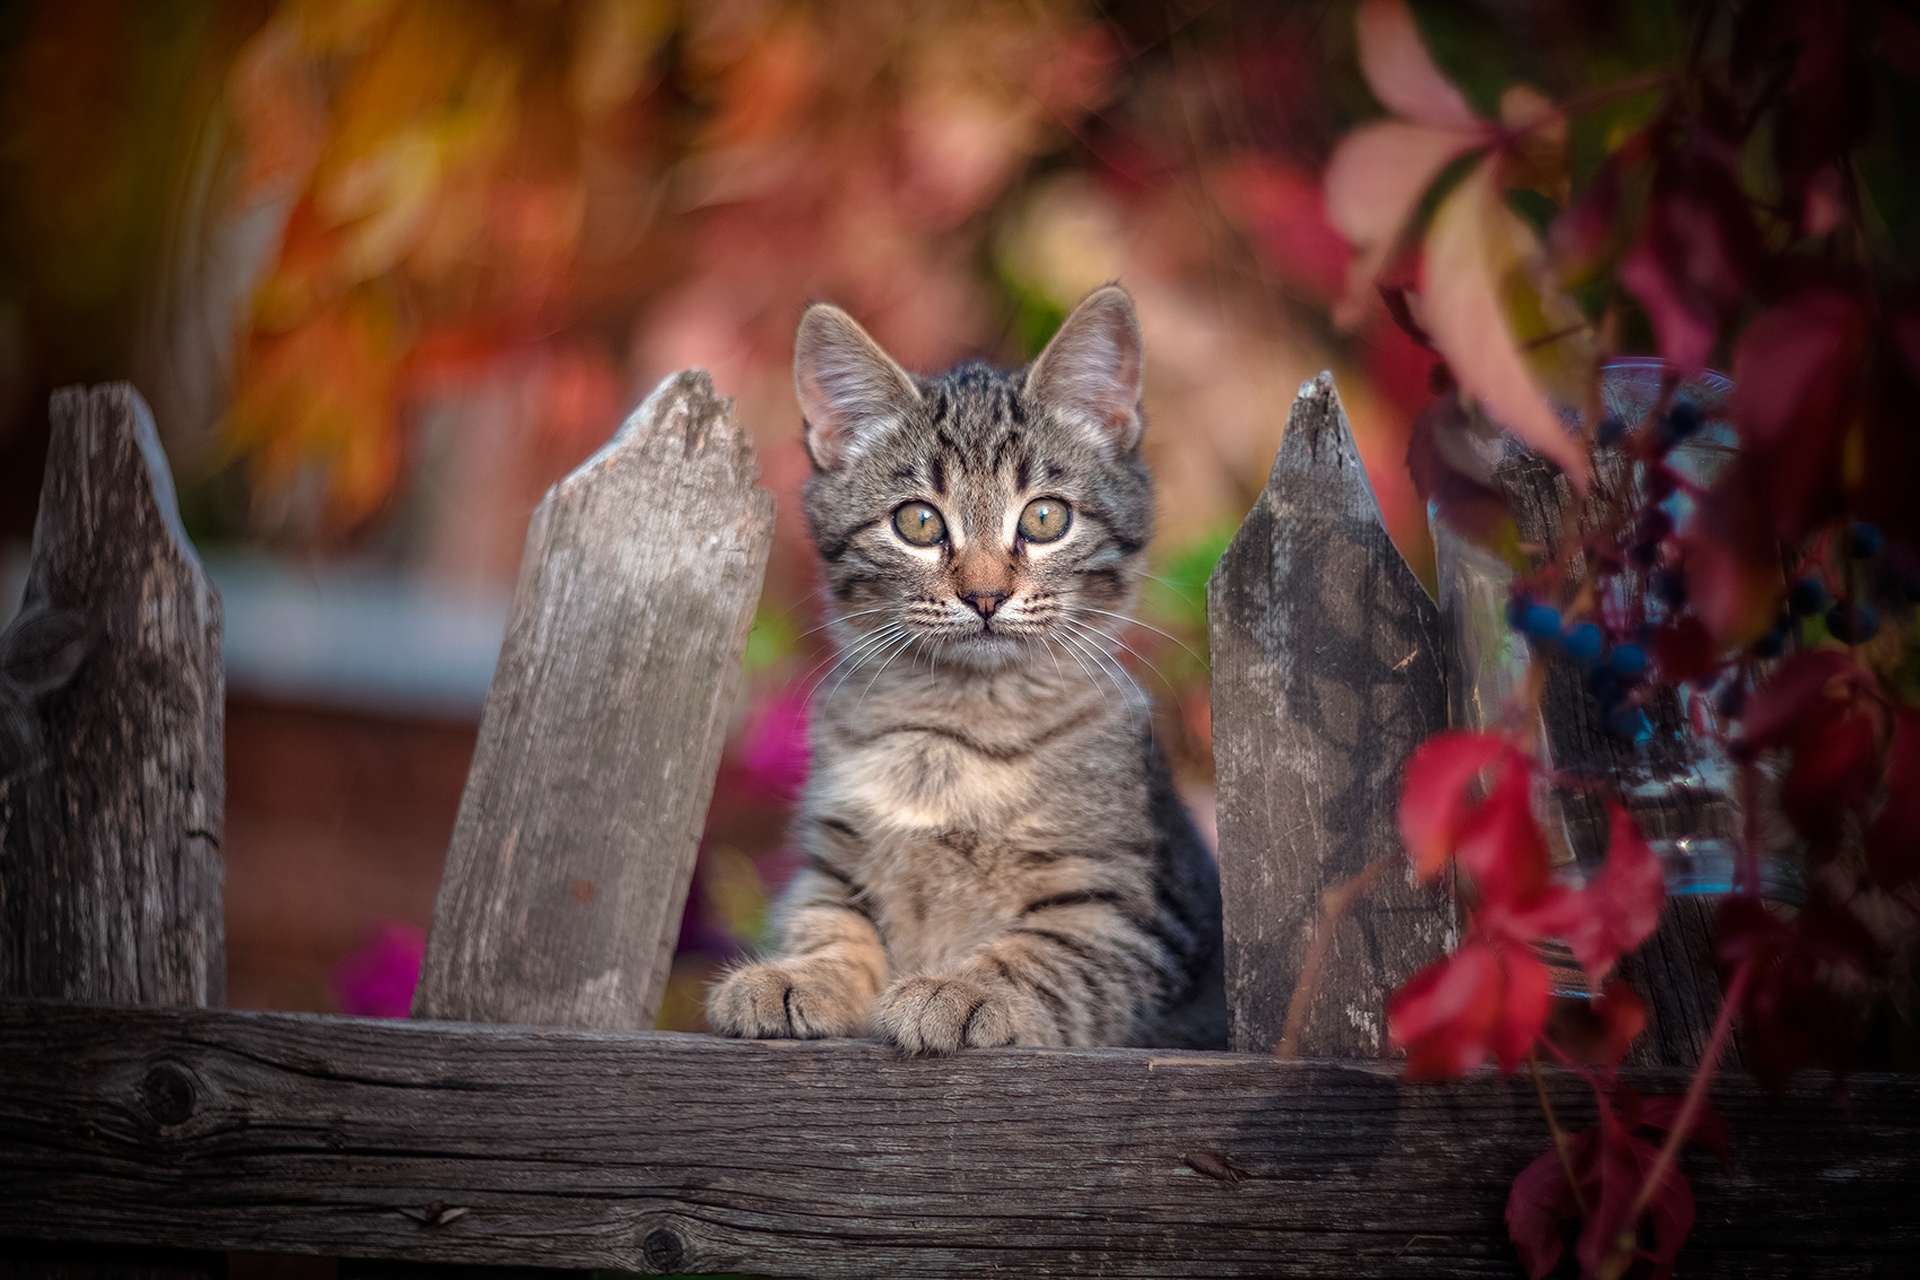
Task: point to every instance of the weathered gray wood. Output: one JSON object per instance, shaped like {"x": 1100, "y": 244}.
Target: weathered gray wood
{"x": 660, "y": 1152}
{"x": 1328, "y": 670}
{"x": 570, "y": 861}
{"x": 1674, "y": 970}
{"x": 111, "y": 706}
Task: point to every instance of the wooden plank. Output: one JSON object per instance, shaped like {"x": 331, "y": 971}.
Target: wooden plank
{"x": 1328, "y": 670}
{"x": 660, "y": 1152}
{"x": 111, "y": 693}
{"x": 575, "y": 843}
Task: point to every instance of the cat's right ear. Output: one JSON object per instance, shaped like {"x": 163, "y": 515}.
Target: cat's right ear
{"x": 849, "y": 389}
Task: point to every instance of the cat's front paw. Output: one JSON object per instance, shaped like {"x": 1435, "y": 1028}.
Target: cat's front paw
{"x": 945, "y": 1015}
{"x": 773, "y": 1000}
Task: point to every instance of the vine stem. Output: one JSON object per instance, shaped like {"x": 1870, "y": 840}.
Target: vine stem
{"x": 1334, "y": 903}
{"x": 1559, "y": 1134}
{"x": 1689, "y": 1112}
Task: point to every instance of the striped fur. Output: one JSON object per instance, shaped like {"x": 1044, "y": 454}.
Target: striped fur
{"x": 995, "y": 850}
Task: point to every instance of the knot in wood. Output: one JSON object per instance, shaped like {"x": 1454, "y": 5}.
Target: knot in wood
{"x": 664, "y": 1251}
{"x": 167, "y": 1093}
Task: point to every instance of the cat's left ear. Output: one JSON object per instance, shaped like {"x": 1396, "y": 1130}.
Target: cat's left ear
{"x": 1091, "y": 371}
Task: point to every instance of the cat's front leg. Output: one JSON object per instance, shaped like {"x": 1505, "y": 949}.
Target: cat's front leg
{"x": 1075, "y": 971}
{"x": 823, "y": 982}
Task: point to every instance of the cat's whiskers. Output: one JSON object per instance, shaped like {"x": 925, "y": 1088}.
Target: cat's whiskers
{"x": 1105, "y": 701}
{"x": 1074, "y": 642}
{"x": 1135, "y": 622}
{"x": 1139, "y": 656}
{"x": 857, "y": 655}
{"x": 1095, "y": 637}
{"x": 834, "y": 656}
{"x": 843, "y": 617}
{"x": 902, "y": 648}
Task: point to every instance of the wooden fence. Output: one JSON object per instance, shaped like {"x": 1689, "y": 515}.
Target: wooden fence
{"x": 527, "y": 1118}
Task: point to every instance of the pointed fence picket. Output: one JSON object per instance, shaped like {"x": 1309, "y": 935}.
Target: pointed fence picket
{"x": 578, "y": 1142}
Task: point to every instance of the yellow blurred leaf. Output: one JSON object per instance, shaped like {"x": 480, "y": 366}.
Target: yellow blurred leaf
{"x": 1479, "y": 262}
{"x": 1537, "y": 155}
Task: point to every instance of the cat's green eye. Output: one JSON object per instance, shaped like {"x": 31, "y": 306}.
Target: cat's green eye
{"x": 920, "y": 524}
{"x": 1045, "y": 520}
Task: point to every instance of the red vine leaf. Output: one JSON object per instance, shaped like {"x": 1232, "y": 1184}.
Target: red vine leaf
{"x": 1796, "y": 394}
{"x": 1794, "y": 686}
{"x": 1502, "y": 848}
{"x": 1540, "y": 1198}
{"x": 1485, "y": 1000}
{"x": 1693, "y": 263}
{"x": 1893, "y": 838}
{"x": 1620, "y": 908}
{"x": 1448, "y": 472}
{"x": 1435, "y": 799}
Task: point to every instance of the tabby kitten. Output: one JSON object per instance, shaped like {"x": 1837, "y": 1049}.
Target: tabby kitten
{"x": 996, "y": 854}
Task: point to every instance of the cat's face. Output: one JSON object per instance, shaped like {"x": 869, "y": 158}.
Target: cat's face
{"x": 978, "y": 518}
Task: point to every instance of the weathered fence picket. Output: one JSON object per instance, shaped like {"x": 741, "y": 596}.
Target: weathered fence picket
{"x": 111, "y": 714}
{"x": 561, "y": 899}
{"x": 566, "y": 1144}
{"x": 1328, "y": 669}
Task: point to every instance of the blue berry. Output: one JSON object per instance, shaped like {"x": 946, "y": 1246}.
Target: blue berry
{"x": 1853, "y": 624}
{"x": 1670, "y": 587}
{"x": 1517, "y": 607}
{"x": 1655, "y": 524}
{"x": 1607, "y": 687}
{"x": 1612, "y": 429}
{"x": 1771, "y": 644}
{"x": 1542, "y": 622}
{"x": 1863, "y": 540}
{"x": 1644, "y": 554}
{"x": 1583, "y": 642}
{"x": 1629, "y": 661}
{"x": 1808, "y": 597}
{"x": 1682, "y": 420}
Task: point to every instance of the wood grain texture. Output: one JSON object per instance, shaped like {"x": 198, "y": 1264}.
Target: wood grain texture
{"x": 111, "y": 695}
{"x": 1674, "y": 970}
{"x": 1328, "y": 669}
{"x": 561, "y": 899}
{"x": 659, "y": 1152}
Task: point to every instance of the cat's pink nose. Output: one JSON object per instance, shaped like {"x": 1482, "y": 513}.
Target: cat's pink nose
{"x": 985, "y": 602}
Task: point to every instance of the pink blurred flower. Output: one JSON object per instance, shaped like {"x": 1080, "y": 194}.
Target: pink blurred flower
{"x": 775, "y": 746}
{"x": 377, "y": 981}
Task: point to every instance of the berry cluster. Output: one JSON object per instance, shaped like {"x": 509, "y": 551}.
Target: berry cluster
{"x": 1613, "y": 670}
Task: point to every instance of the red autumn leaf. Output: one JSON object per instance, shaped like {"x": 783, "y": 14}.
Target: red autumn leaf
{"x": 1485, "y": 1000}
{"x": 1435, "y": 799}
{"x": 1685, "y": 651}
{"x": 1733, "y": 558}
{"x": 1620, "y": 1169}
{"x": 1693, "y": 263}
{"x": 1795, "y": 396}
{"x": 1893, "y": 838}
{"x": 1501, "y": 845}
{"x": 1794, "y": 685}
{"x": 1615, "y": 911}
{"x": 1891, "y": 445}
{"x": 1835, "y": 767}
{"x": 1801, "y": 997}
{"x": 1600, "y": 1030}
{"x": 1539, "y": 1200}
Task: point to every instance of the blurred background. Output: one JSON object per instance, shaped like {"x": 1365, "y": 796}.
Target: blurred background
{"x": 387, "y": 269}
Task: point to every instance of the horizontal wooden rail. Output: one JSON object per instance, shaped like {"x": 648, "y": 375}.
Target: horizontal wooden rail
{"x": 662, "y": 1152}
